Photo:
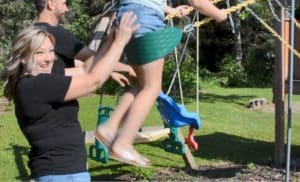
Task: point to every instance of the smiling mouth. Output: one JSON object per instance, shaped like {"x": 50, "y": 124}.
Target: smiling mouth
{"x": 46, "y": 66}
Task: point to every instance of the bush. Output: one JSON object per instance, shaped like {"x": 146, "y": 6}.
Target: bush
{"x": 79, "y": 21}
{"x": 110, "y": 87}
{"x": 260, "y": 65}
{"x": 187, "y": 74}
{"x": 14, "y": 16}
{"x": 231, "y": 74}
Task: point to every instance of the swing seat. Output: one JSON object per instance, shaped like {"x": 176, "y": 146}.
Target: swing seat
{"x": 175, "y": 114}
{"x": 152, "y": 46}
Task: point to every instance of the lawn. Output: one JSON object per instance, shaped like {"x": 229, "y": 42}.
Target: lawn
{"x": 231, "y": 133}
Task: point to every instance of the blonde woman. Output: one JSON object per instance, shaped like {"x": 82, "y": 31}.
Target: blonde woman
{"x": 44, "y": 102}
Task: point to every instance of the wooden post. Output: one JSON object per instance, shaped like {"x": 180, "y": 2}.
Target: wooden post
{"x": 297, "y": 62}
{"x": 279, "y": 90}
{"x": 188, "y": 156}
{"x": 98, "y": 33}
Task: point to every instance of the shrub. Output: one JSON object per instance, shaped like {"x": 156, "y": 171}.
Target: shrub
{"x": 187, "y": 74}
{"x": 231, "y": 74}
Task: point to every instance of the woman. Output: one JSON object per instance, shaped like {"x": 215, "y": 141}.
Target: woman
{"x": 45, "y": 103}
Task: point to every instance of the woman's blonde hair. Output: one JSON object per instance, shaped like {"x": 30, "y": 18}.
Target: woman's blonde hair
{"x": 24, "y": 47}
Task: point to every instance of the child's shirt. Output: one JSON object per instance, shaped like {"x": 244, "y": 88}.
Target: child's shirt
{"x": 158, "y": 5}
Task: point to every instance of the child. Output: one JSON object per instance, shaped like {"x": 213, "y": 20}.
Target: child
{"x": 137, "y": 103}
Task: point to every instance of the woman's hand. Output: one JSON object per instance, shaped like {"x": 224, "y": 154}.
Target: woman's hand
{"x": 120, "y": 79}
{"x": 130, "y": 71}
{"x": 121, "y": 67}
{"x": 126, "y": 27}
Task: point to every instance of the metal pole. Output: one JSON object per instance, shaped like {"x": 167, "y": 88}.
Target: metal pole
{"x": 290, "y": 95}
{"x": 197, "y": 59}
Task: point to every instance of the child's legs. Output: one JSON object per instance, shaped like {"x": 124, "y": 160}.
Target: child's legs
{"x": 112, "y": 124}
{"x": 149, "y": 78}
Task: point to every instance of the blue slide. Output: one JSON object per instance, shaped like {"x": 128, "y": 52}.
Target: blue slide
{"x": 175, "y": 114}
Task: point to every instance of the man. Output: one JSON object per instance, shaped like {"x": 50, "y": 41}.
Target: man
{"x": 69, "y": 48}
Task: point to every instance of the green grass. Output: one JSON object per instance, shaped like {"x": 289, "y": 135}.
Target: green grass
{"x": 230, "y": 133}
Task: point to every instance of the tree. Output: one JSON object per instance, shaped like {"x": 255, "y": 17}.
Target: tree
{"x": 14, "y": 14}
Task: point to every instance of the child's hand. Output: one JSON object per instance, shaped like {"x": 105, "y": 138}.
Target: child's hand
{"x": 183, "y": 9}
{"x": 126, "y": 27}
{"x": 222, "y": 16}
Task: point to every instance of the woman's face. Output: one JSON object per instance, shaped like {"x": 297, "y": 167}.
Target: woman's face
{"x": 44, "y": 57}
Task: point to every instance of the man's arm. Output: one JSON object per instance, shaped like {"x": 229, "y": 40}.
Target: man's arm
{"x": 84, "y": 54}
{"x": 84, "y": 68}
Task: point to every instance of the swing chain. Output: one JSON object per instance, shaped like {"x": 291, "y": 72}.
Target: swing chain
{"x": 188, "y": 28}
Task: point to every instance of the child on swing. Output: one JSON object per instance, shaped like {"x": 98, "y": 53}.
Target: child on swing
{"x": 135, "y": 104}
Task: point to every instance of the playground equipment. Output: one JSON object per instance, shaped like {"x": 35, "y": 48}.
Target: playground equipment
{"x": 98, "y": 151}
{"x": 279, "y": 97}
{"x": 153, "y": 46}
{"x": 175, "y": 116}
{"x": 176, "y": 143}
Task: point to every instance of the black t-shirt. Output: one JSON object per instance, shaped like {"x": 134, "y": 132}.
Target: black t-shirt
{"x": 66, "y": 47}
{"x": 50, "y": 125}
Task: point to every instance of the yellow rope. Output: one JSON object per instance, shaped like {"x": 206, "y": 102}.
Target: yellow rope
{"x": 177, "y": 13}
{"x": 232, "y": 9}
{"x": 295, "y": 20}
{"x": 190, "y": 9}
{"x": 228, "y": 11}
{"x": 238, "y": 7}
{"x": 296, "y": 23}
{"x": 297, "y": 53}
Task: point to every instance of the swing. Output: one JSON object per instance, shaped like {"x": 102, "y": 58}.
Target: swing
{"x": 98, "y": 151}
{"x": 153, "y": 46}
{"x": 176, "y": 115}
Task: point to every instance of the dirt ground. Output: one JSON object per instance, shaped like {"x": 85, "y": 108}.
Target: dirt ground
{"x": 219, "y": 173}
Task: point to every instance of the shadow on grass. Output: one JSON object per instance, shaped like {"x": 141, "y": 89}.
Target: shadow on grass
{"x": 236, "y": 99}
{"x": 214, "y": 98}
{"x": 238, "y": 150}
{"x": 118, "y": 170}
{"x": 20, "y": 153}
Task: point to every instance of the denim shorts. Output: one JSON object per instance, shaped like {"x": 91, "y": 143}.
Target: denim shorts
{"x": 75, "y": 177}
{"x": 150, "y": 20}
